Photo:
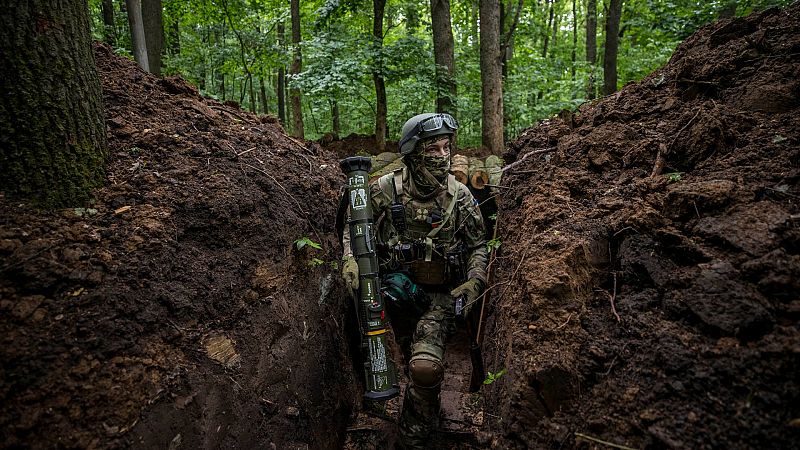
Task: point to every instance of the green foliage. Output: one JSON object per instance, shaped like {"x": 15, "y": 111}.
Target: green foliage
{"x": 493, "y": 244}
{"x": 220, "y": 41}
{"x": 306, "y": 241}
{"x": 316, "y": 262}
{"x": 492, "y": 377}
{"x": 674, "y": 177}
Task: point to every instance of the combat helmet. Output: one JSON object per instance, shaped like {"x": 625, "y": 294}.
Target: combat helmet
{"x": 423, "y": 126}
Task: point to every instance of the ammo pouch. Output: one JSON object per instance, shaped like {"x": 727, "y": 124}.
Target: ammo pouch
{"x": 429, "y": 272}
{"x": 445, "y": 267}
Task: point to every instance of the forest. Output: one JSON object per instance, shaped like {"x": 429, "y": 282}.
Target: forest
{"x": 171, "y": 271}
{"x": 553, "y": 55}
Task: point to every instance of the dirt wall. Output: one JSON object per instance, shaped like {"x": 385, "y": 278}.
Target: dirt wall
{"x": 647, "y": 289}
{"x": 176, "y": 309}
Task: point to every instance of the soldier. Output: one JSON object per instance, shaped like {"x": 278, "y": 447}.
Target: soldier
{"x": 432, "y": 250}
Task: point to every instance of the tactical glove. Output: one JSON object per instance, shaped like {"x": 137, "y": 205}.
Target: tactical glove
{"x": 470, "y": 290}
{"x": 350, "y": 271}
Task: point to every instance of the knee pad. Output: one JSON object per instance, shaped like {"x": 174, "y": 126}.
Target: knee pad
{"x": 425, "y": 371}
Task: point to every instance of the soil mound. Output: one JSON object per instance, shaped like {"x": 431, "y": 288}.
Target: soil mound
{"x": 648, "y": 288}
{"x": 177, "y": 309}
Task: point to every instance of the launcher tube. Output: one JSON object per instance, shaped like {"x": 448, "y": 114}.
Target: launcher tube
{"x": 381, "y": 378}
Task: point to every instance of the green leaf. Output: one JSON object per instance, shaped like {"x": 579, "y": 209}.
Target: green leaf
{"x": 492, "y": 377}
{"x": 306, "y": 241}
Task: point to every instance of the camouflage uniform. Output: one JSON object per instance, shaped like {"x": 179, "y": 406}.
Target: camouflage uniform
{"x": 462, "y": 228}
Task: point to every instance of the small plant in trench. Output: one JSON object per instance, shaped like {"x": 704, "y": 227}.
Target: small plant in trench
{"x": 494, "y": 244}
{"x": 306, "y": 241}
{"x": 674, "y": 177}
{"x": 491, "y": 377}
{"x": 316, "y": 262}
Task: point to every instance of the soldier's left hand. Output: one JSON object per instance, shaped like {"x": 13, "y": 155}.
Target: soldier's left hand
{"x": 471, "y": 290}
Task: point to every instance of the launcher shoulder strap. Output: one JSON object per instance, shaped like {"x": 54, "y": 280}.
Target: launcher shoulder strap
{"x": 392, "y": 185}
{"x": 341, "y": 215}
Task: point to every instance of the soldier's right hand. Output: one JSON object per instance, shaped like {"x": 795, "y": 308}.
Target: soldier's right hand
{"x": 350, "y": 271}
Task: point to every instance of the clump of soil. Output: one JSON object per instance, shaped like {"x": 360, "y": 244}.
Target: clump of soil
{"x": 177, "y": 310}
{"x": 648, "y": 288}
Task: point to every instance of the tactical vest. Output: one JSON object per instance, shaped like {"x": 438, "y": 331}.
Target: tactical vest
{"x": 425, "y": 247}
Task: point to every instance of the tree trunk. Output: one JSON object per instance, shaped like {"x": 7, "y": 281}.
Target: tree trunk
{"x": 611, "y": 47}
{"x": 728, "y": 11}
{"x": 253, "y": 98}
{"x": 507, "y": 37}
{"x": 574, "y": 37}
{"x": 263, "y": 95}
{"x": 248, "y": 84}
{"x": 556, "y": 21}
{"x": 381, "y": 130}
{"x": 134, "y": 8}
{"x": 547, "y": 29}
{"x": 109, "y": 28}
{"x": 474, "y": 14}
{"x": 280, "y": 84}
{"x": 337, "y": 126}
{"x": 591, "y": 45}
{"x": 297, "y": 66}
{"x": 175, "y": 37}
{"x": 412, "y": 18}
{"x": 443, "y": 56}
{"x": 51, "y": 114}
{"x": 153, "y": 33}
{"x": 491, "y": 77}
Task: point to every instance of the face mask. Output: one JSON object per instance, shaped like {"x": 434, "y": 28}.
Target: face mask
{"x": 438, "y": 166}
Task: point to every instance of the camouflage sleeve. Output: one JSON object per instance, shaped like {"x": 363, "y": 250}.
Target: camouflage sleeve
{"x": 472, "y": 231}
{"x": 379, "y": 202}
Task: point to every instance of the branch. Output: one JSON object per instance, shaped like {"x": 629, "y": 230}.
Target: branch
{"x": 600, "y": 441}
{"x": 510, "y": 34}
{"x": 531, "y": 153}
{"x": 219, "y": 108}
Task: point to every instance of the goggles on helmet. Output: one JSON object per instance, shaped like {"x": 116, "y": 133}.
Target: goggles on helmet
{"x": 437, "y": 122}
{"x": 427, "y": 126}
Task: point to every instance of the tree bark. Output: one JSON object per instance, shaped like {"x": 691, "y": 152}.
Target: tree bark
{"x": 337, "y": 126}
{"x": 263, "y": 95}
{"x": 574, "y": 37}
{"x": 175, "y": 36}
{"x": 109, "y": 28}
{"x": 280, "y": 84}
{"x": 443, "y": 56}
{"x": 728, "y": 10}
{"x": 556, "y": 21}
{"x": 547, "y": 29}
{"x": 491, "y": 77}
{"x": 381, "y": 130}
{"x": 51, "y": 115}
{"x": 507, "y": 37}
{"x": 611, "y": 47}
{"x": 248, "y": 73}
{"x": 591, "y": 45}
{"x": 297, "y": 67}
{"x": 134, "y": 8}
{"x": 152, "y": 20}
